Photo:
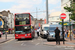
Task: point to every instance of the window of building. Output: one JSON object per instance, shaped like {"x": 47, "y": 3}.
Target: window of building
{"x": 57, "y": 18}
{"x": 52, "y": 18}
{"x": 73, "y": 0}
{"x": 0, "y": 12}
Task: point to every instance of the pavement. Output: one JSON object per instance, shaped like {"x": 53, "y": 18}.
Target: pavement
{"x": 9, "y": 37}
{"x": 68, "y": 43}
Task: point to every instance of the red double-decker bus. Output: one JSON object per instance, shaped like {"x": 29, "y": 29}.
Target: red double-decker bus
{"x": 24, "y": 26}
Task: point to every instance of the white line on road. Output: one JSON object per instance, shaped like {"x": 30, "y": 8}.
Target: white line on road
{"x": 22, "y": 44}
{"x": 37, "y": 44}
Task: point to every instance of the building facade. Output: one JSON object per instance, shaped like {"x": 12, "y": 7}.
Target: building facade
{"x": 54, "y": 18}
{"x": 5, "y": 13}
{"x": 38, "y": 23}
{"x": 63, "y": 4}
{"x": 9, "y": 18}
{"x": 1, "y": 22}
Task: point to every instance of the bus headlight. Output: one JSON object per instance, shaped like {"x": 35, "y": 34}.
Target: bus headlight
{"x": 28, "y": 34}
{"x": 17, "y": 35}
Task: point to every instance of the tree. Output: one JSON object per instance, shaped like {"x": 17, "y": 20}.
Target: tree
{"x": 71, "y": 9}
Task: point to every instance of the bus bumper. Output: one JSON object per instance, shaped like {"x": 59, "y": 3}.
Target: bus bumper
{"x": 23, "y": 37}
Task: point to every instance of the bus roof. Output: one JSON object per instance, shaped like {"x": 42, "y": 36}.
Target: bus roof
{"x": 22, "y": 13}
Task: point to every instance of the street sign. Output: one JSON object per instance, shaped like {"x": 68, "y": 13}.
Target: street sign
{"x": 45, "y": 21}
{"x": 63, "y": 16}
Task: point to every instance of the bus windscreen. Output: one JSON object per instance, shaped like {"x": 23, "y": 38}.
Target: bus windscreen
{"x": 22, "y": 29}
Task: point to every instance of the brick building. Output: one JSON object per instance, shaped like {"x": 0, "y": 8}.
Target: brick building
{"x": 5, "y": 13}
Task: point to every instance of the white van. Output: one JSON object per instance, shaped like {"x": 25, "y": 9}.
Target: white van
{"x": 45, "y": 28}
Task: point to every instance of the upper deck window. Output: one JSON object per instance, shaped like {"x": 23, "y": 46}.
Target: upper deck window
{"x": 22, "y": 19}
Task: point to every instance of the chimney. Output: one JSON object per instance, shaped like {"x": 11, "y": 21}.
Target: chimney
{"x": 8, "y": 11}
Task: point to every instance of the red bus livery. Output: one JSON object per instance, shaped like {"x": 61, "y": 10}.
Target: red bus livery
{"x": 24, "y": 26}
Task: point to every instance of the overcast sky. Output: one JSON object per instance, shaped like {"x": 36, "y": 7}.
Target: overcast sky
{"x": 22, "y": 6}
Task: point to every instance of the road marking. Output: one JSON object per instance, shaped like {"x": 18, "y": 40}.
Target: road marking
{"x": 37, "y": 44}
{"x": 7, "y": 41}
{"x": 22, "y": 44}
{"x": 69, "y": 48}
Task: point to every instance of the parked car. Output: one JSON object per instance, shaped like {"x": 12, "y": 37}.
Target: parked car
{"x": 51, "y": 34}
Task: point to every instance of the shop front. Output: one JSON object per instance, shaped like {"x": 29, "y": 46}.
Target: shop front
{"x": 66, "y": 25}
{"x": 11, "y": 30}
{"x": 73, "y": 24}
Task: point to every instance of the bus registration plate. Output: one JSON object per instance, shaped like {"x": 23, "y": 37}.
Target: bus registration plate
{"x": 23, "y": 38}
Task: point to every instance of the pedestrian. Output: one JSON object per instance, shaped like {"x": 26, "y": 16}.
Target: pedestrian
{"x": 0, "y": 34}
{"x": 38, "y": 32}
{"x": 67, "y": 33}
{"x": 73, "y": 33}
{"x": 57, "y": 35}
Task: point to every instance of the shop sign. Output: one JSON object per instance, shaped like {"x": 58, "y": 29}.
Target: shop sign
{"x": 65, "y": 23}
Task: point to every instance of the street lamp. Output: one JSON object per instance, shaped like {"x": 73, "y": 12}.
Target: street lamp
{"x": 70, "y": 26}
{"x": 47, "y": 10}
